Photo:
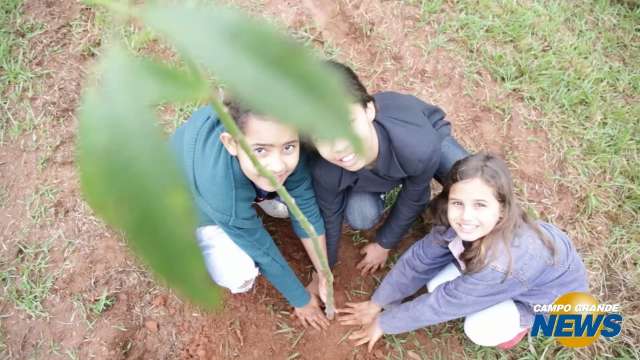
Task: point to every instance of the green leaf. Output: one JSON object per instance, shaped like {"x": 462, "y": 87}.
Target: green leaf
{"x": 266, "y": 70}
{"x": 129, "y": 175}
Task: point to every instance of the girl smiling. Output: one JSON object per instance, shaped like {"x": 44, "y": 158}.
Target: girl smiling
{"x": 485, "y": 261}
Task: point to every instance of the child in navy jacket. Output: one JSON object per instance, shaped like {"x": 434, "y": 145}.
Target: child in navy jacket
{"x": 407, "y": 142}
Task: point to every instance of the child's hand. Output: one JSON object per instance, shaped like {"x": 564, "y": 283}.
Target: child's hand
{"x": 361, "y": 313}
{"x": 311, "y": 314}
{"x": 368, "y": 334}
{"x": 318, "y": 286}
{"x": 375, "y": 257}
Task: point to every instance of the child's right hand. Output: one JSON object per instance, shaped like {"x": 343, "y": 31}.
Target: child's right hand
{"x": 318, "y": 286}
{"x": 311, "y": 314}
{"x": 360, "y": 313}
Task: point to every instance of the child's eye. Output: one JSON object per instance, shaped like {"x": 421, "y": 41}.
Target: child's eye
{"x": 259, "y": 151}
{"x": 456, "y": 203}
{"x": 481, "y": 205}
{"x": 289, "y": 149}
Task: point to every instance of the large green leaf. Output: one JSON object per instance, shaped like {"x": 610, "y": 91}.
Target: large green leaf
{"x": 129, "y": 175}
{"x": 268, "y": 71}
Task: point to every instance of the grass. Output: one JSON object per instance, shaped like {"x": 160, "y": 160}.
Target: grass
{"x": 91, "y": 309}
{"x": 102, "y": 304}
{"x": 577, "y": 64}
{"x": 17, "y": 79}
{"x": 4, "y": 195}
{"x": 29, "y": 279}
{"x": 3, "y": 346}
{"x": 40, "y": 204}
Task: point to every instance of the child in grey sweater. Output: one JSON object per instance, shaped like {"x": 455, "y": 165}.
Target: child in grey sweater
{"x": 486, "y": 261}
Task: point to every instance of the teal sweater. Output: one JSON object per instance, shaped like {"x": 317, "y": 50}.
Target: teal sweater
{"x": 224, "y": 197}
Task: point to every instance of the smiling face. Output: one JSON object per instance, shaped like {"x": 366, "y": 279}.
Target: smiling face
{"x": 472, "y": 210}
{"x": 276, "y": 146}
{"x": 340, "y": 152}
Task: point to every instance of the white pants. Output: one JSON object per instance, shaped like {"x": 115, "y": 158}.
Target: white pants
{"x": 228, "y": 265}
{"x": 489, "y": 327}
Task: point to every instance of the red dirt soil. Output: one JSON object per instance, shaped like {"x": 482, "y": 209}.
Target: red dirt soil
{"x": 382, "y": 40}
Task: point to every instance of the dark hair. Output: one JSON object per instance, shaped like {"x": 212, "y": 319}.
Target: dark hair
{"x": 494, "y": 172}
{"x": 353, "y": 85}
{"x": 239, "y": 112}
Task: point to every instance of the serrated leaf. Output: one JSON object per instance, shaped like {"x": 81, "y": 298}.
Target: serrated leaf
{"x": 268, "y": 71}
{"x": 130, "y": 177}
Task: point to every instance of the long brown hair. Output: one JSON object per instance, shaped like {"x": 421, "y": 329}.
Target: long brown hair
{"x": 492, "y": 171}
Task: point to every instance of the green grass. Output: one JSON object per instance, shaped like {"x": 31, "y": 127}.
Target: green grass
{"x": 92, "y": 309}
{"x": 577, "y": 64}
{"x": 28, "y": 279}
{"x": 103, "y": 303}
{"x": 40, "y": 204}
{"x": 17, "y": 79}
{"x": 4, "y": 195}
{"x": 3, "y": 345}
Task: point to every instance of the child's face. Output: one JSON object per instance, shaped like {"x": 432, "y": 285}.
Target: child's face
{"x": 276, "y": 146}
{"x": 340, "y": 152}
{"x": 473, "y": 210}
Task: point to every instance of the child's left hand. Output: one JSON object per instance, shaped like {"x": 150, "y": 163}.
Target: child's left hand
{"x": 360, "y": 313}
{"x": 368, "y": 334}
{"x": 375, "y": 256}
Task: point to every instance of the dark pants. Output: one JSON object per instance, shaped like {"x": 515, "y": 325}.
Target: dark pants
{"x": 364, "y": 209}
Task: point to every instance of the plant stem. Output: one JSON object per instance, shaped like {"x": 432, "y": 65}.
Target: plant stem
{"x": 232, "y": 128}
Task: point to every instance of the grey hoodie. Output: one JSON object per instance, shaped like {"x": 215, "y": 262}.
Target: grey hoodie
{"x": 535, "y": 278}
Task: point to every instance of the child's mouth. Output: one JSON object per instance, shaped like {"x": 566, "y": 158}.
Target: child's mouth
{"x": 348, "y": 158}
{"x": 467, "y": 228}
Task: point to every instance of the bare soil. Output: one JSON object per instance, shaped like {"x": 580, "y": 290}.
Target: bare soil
{"x": 383, "y": 40}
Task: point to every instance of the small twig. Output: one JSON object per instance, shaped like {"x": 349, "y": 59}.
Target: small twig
{"x": 345, "y": 336}
{"x": 297, "y": 339}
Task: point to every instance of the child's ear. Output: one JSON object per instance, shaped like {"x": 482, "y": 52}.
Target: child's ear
{"x": 370, "y": 110}
{"x": 229, "y": 143}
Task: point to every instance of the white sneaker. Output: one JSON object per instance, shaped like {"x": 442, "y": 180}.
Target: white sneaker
{"x": 274, "y": 208}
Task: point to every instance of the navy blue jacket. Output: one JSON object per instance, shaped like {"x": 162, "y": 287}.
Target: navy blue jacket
{"x": 409, "y": 136}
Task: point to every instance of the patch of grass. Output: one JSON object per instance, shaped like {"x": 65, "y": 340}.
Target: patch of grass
{"x": 39, "y": 204}
{"x": 357, "y": 238}
{"x": 4, "y": 195}
{"x": 310, "y": 37}
{"x": 576, "y": 63}
{"x": 174, "y": 115}
{"x": 72, "y": 354}
{"x": 91, "y": 309}
{"x": 103, "y": 303}
{"x": 26, "y": 122}
{"x": 293, "y": 335}
{"x": 391, "y": 196}
{"x": 28, "y": 281}
{"x": 17, "y": 78}
{"x": 3, "y": 345}
{"x": 397, "y": 342}
{"x": 137, "y": 39}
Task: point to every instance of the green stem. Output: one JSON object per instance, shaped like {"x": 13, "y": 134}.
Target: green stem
{"x": 232, "y": 128}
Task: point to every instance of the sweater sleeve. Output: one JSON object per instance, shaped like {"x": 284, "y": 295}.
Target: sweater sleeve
{"x": 332, "y": 202}
{"x": 419, "y": 264}
{"x": 259, "y": 245}
{"x": 464, "y": 295}
{"x": 411, "y": 202}
{"x": 300, "y": 187}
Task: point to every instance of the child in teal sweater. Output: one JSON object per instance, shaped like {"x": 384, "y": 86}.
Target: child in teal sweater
{"x": 224, "y": 183}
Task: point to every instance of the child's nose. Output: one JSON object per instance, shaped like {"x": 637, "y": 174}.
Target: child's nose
{"x": 340, "y": 146}
{"x": 467, "y": 213}
{"x": 277, "y": 166}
